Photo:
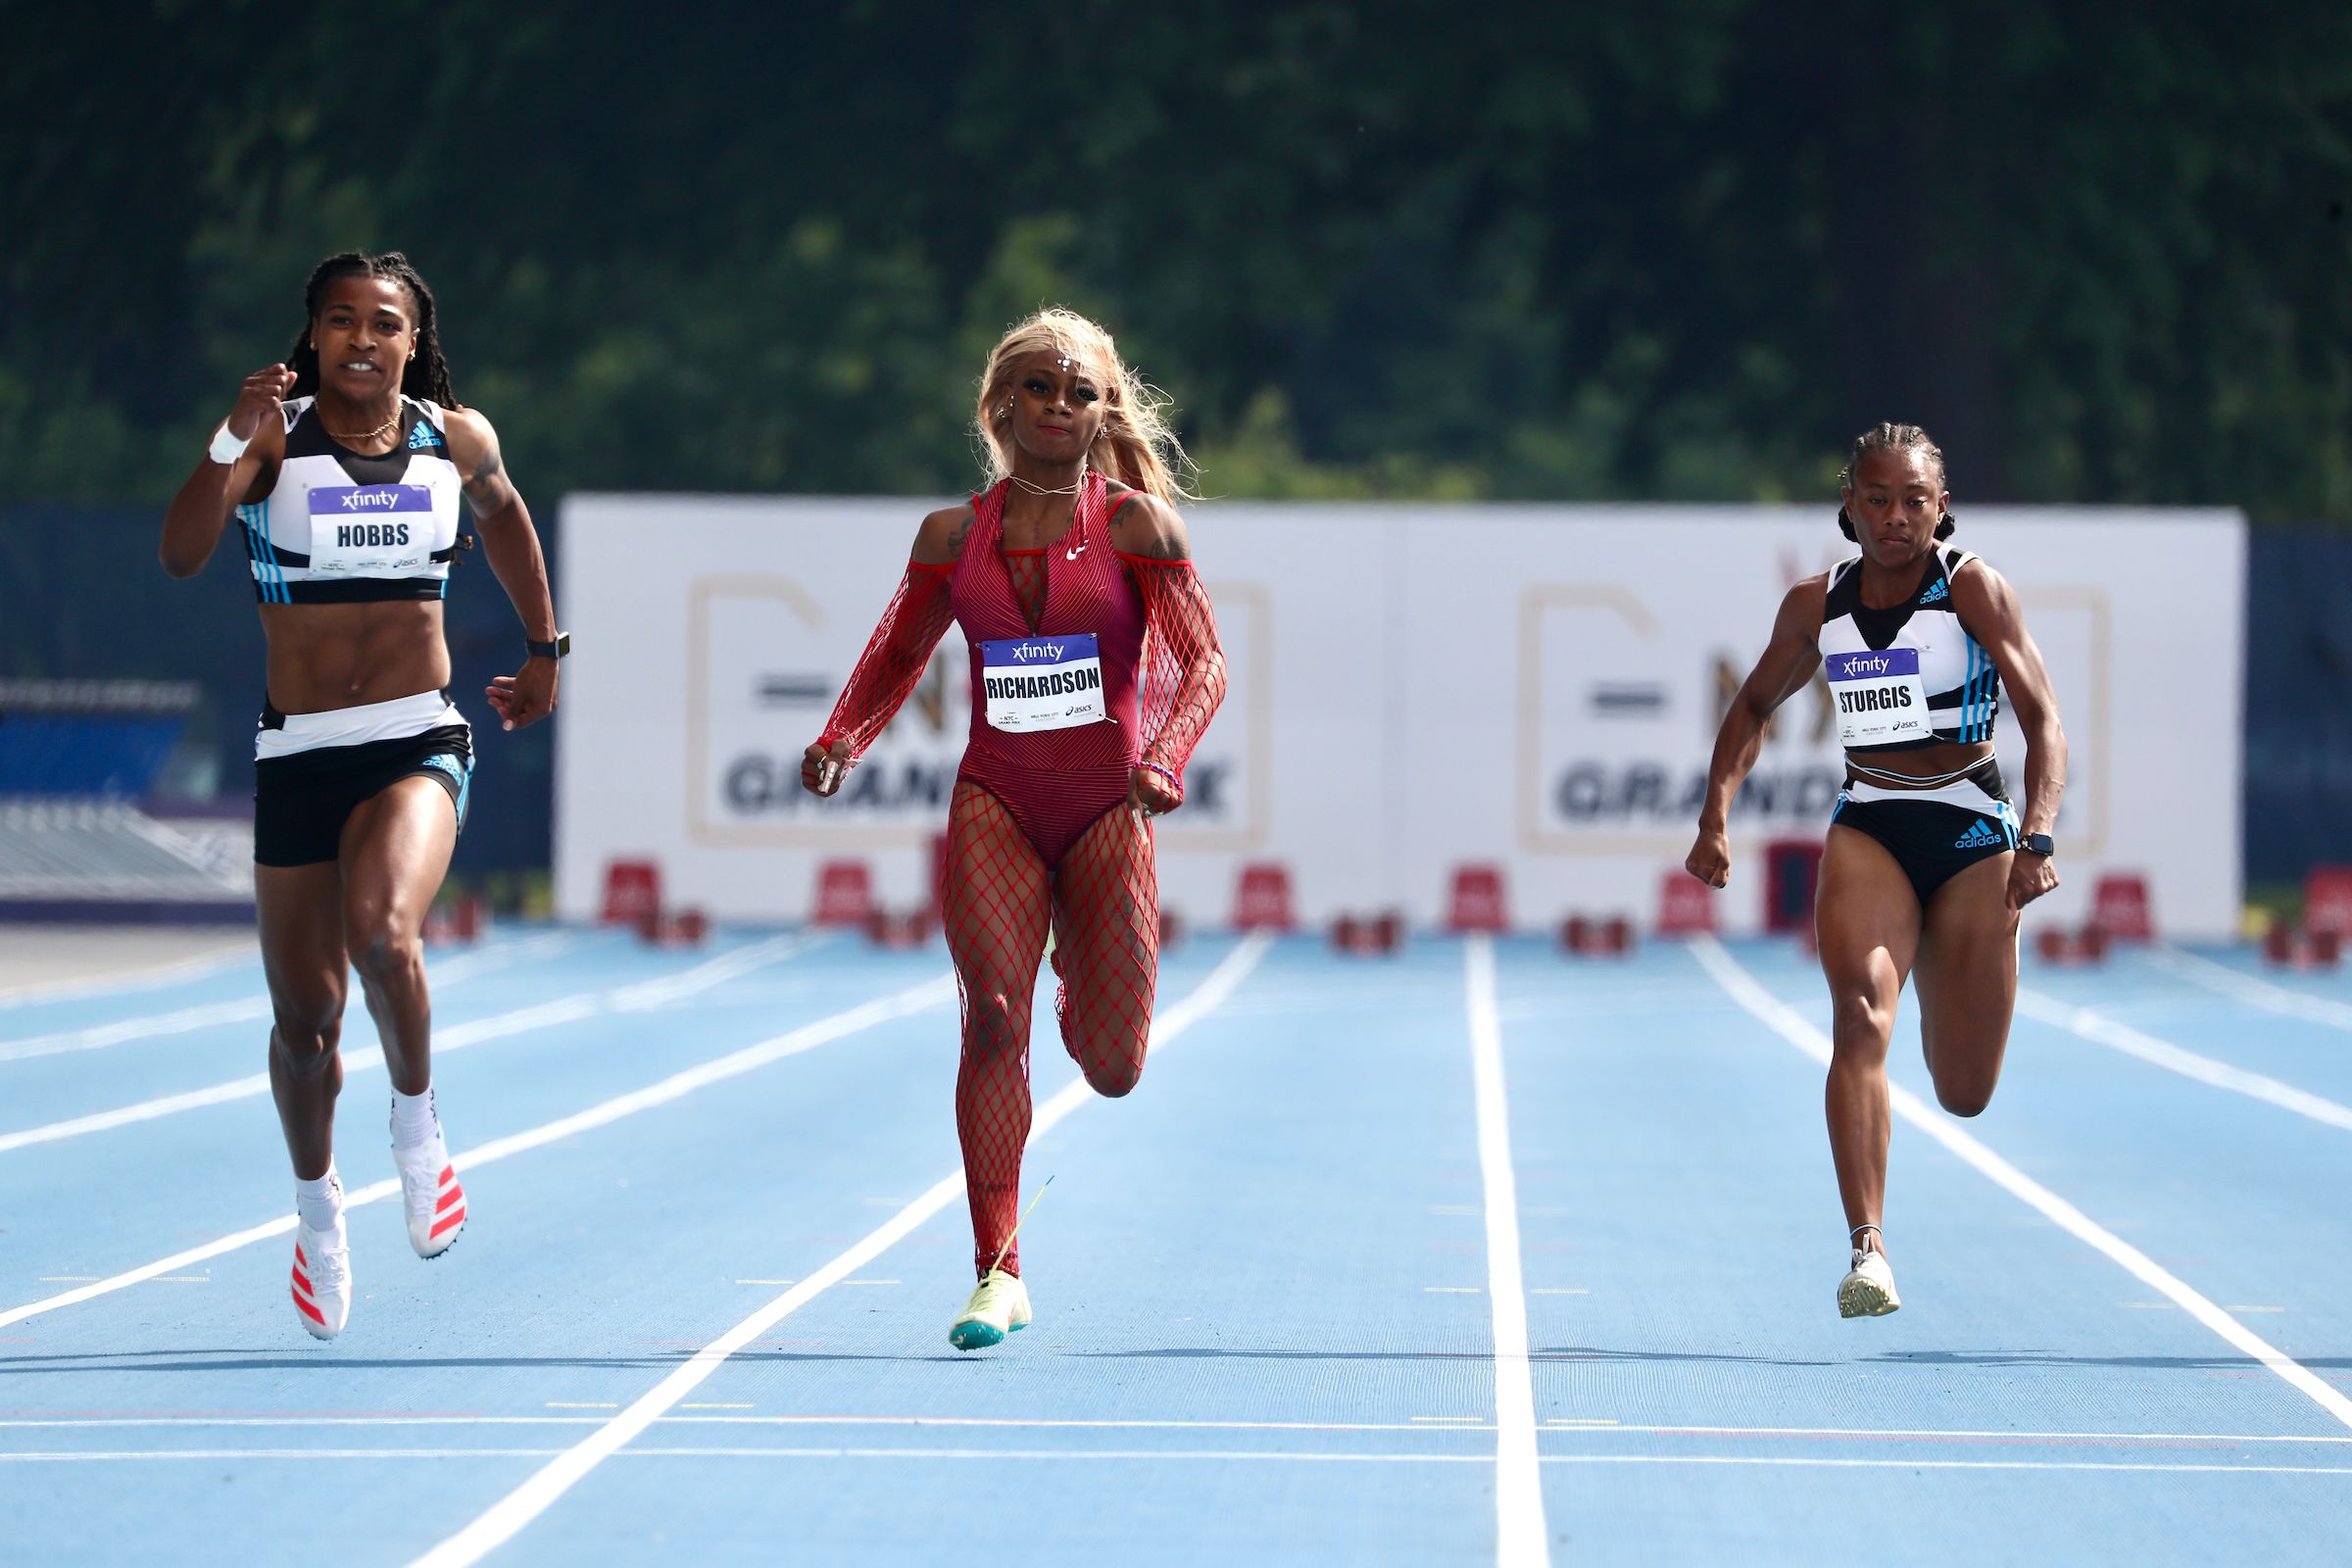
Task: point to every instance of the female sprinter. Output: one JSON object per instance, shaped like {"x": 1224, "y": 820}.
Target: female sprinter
{"x": 344, "y": 465}
{"x": 1095, "y": 668}
{"x": 1927, "y": 864}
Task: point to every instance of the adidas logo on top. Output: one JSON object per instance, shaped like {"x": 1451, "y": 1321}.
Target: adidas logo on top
{"x": 1936, "y": 594}
{"x": 424, "y": 435}
{"x": 1979, "y": 834}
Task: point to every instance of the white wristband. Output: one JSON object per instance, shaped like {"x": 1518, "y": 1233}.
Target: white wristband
{"x": 225, "y": 448}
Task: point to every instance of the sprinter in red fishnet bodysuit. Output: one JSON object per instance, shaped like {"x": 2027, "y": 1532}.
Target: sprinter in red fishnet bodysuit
{"x": 1094, "y": 669}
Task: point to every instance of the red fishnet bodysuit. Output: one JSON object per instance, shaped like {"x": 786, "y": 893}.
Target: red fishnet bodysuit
{"x": 1040, "y": 836}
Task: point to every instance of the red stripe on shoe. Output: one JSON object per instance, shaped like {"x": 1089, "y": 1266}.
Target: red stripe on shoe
{"x": 454, "y": 1218}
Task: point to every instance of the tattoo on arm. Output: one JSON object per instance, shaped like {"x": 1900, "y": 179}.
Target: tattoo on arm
{"x": 488, "y": 489}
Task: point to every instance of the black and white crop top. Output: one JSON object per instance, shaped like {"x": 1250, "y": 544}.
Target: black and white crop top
{"x": 1909, "y": 675}
{"x": 341, "y": 528}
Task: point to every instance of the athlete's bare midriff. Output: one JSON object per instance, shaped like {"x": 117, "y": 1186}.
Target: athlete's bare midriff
{"x": 1929, "y": 765}
{"x": 326, "y": 657}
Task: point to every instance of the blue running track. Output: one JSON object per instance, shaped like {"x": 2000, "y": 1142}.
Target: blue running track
{"x": 698, "y": 1314}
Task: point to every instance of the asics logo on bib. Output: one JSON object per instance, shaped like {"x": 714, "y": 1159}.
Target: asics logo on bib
{"x": 1980, "y": 835}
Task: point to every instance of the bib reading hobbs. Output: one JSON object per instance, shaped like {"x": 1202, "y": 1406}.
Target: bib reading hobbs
{"x": 1037, "y": 683}
{"x": 377, "y": 530}
{"x": 1880, "y": 697}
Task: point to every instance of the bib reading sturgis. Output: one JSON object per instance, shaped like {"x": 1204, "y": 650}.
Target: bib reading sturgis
{"x": 1880, "y": 697}
{"x": 1041, "y": 683}
{"x": 370, "y": 530}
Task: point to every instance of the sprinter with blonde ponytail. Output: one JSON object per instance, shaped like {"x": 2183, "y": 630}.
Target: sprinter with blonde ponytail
{"x": 1094, "y": 668}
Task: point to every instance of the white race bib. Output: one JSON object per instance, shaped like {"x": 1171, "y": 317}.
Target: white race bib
{"x": 1037, "y": 683}
{"x": 370, "y": 530}
{"x": 1880, "y": 697}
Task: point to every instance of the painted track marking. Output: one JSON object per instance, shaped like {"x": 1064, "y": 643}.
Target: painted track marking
{"x": 243, "y": 1010}
{"x": 2101, "y": 1030}
{"x": 1522, "y": 1539}
{"x": 639, "y": 998}
{"x": 1786, "y": 1022}
{"x": 2251, "y": 989}
{"x": 511, "y": 1513}
{"x": 914, "y": 999}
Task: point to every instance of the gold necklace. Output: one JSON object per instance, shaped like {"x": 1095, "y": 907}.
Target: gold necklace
{"x": 1040, "y": 490}
{"x": 384, "y": 429}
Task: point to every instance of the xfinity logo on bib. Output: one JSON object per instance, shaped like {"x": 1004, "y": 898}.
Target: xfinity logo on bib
{"x": 1864, "y": 666}
{"x": 327, "y": 500}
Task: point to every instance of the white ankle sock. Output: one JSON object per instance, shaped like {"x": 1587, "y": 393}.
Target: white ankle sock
{"x": 320, "y": 1202}
{"x": 412, "y": 1118}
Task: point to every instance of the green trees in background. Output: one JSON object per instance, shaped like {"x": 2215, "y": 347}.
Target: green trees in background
{"x": 1373, "y": 249}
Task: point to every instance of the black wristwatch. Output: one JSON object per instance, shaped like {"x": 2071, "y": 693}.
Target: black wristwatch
{"x": 555, "y": 650}
{"x": 2038, "y": 844}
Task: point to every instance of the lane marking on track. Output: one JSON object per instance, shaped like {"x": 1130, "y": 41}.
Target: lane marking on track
{"x": 200, "y": 966}
{"x": 456, "y": 1037}
{"x": 511, "y": 1513}
{"x": 1522, "y": 1539}
{"x": 1555, "y": 1426}
{"x": 2101, "y": 1030}
{"x": 2251, "y": 989}
{"x": 916, "y": 999}
{"x": 1791, "y": 1026}
{"x": 180, "y": 1020}
{"x": 1184, "y": 1455}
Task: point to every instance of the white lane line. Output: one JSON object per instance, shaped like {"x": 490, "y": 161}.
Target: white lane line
{"x": 147, "y": 1026}
{"x": 2101, "y": 1030}
{"x": 2251, "y": 989}
{"x": 197, "y": 967}
{"x": 1784, "y": 1021}
{"x": 1554, "y": 1426}
{"x": 1184, "y": 1455}
{"x": 511, "y": 1513}
{"x": 1521, "y": 1537}
{"x": 524, "y": 1020}
{"x": 916, "y": 999}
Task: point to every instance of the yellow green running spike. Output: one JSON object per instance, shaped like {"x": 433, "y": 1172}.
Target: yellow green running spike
{"x": 998, "y": 1305}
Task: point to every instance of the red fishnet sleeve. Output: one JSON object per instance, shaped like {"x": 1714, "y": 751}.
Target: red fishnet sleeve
{"x": 1183, "y": 678}
{"x": 895, "y": 660}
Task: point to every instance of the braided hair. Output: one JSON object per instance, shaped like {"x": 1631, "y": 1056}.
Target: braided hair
{"x": 426, "y": 375}
{"x": 1886, "y": 438}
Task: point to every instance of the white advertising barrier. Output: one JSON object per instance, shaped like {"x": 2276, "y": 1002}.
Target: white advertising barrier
{"x": 1412, "y": 688}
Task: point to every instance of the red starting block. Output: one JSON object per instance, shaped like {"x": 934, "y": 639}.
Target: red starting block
{"x": 2328, "y": 901}
{"x": 469, "y": 919}
{"x": 2120, "y": 907}
{"x": 1476, "y": 903}
{"x": 1686, "y": 905}
{"x": 686, "y": 928}
{"x": 2054, "y": 944}
{"x": 910, "y": 929}
{"x": 845, "y": 893}
{"x": 1261, "y": 900}
{"x": 633, "y": 894}
{"x": 1382, "y": 933}
{"x": 1589, "y": 937}
{"x": 2299, "y": 947}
